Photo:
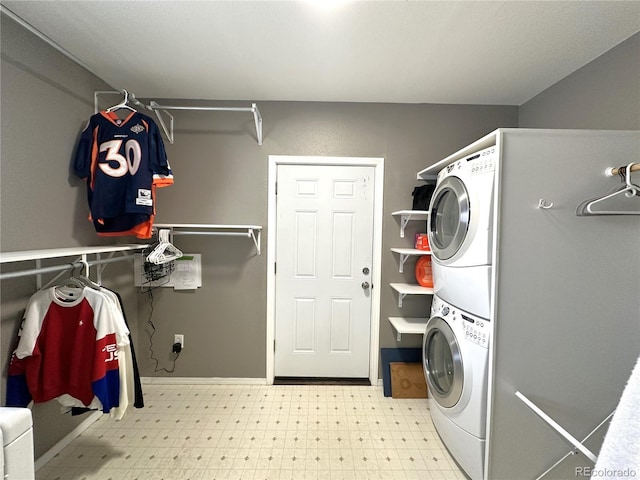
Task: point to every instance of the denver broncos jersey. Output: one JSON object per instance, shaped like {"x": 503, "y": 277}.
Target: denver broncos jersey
{"x": 122, "y": 161}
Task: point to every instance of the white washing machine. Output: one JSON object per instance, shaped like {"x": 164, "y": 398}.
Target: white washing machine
{"x": 455, "y": 356}
{"x": 460, "y": 230}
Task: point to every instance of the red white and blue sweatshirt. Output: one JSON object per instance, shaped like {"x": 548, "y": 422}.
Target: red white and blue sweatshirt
{"x": 68, "y": 349}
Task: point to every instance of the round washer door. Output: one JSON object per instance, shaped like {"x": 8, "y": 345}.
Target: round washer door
{"x": 449, "y": 218}
{"x": 442, "y": 363}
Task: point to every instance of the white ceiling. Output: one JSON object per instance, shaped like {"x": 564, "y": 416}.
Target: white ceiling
{"x": 473, "y": 52}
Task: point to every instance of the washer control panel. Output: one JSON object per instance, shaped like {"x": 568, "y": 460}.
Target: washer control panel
{"x": 474, "y": 329}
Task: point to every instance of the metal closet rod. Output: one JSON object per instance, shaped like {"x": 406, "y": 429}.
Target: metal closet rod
{"x": 60, "y": 268}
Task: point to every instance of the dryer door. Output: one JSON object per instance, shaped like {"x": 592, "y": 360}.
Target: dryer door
{"x": 442, "y": 363}
{"x": 448, "y": 218}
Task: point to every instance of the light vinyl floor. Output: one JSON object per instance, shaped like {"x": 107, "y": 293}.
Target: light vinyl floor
{"x": 253, "y": 432}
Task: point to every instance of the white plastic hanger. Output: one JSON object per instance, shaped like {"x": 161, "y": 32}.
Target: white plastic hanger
{"x": 629, "y": 190}
{"x": 123, "y": 104}
{"x": 72, "y": 287}
{"x": 165, "y": 251}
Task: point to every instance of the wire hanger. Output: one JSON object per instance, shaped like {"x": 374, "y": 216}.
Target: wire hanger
{"x": 123, "y": 104}
{"x": 165, "y": 251}
{"x": 628, "y": 190}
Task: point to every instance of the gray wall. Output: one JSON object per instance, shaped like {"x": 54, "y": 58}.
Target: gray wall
{"x": 46, "y": 100}
{"x": 602, "y": 95}
{"x": 221, "y": 177}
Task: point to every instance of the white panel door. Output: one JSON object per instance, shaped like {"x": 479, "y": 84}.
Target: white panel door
{"x": 323, "y": 270}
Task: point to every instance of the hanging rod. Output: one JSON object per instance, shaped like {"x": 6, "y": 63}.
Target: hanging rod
{"x": 24, "y": 255}
{"x": 168, "y": 131}
{"x": 251, "y": 231}
{"x": 59, "y": 253}
{"x": 257, "y": 117}
{"x": 612, "y": 172}
{"x": 628, "y": 190}
{"x": 61, "y": 268}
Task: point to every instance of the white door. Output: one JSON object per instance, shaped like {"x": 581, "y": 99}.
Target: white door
{"x": 324, "y": 245}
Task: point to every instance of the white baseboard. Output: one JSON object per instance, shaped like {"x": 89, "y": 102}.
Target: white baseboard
{"x": 201, "y": 381}
{"x": 57, "y": 448}
{"x": 210, "y": 381}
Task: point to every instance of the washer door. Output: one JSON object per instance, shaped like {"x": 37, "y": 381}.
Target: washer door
{"x": 449, "y": 218}
{"x": 442, "y": 363}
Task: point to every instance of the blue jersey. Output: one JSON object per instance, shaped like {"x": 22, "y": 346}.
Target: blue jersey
{"x": 123, "y": 161}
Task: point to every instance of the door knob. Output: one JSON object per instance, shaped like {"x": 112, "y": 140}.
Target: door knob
{"x": 365, "y": 285}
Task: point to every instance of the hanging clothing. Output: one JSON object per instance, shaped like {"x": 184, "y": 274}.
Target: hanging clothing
{"x": 134, "y": 394}
{"x": 123, "y": 162}
{"x": 69, "y": 349}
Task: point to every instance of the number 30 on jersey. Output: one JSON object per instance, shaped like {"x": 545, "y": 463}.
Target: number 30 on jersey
{"x": 129, "y": 164}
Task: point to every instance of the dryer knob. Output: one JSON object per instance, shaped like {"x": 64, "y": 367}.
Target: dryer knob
{"x": 445, "y": 310}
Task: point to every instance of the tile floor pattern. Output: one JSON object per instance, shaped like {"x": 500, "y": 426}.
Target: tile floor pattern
{"x": 252, "y": 432}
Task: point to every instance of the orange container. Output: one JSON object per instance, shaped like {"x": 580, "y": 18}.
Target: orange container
{"x": 422, "y": 241}
{"x": 424, "y": 276}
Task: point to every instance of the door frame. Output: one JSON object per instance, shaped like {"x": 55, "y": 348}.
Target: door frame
{"x": 376, "y": 267}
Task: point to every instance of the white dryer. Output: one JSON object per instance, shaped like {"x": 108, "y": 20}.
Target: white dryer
{"x": 461, "y": 211}
{"x": 460, "y": 230}
{"x": 455, "y": 356}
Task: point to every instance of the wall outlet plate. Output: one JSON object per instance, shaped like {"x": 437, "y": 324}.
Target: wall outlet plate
{"x": 179, "y": 338}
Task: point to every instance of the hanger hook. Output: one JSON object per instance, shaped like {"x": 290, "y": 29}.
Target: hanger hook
{"x": 542, "y": 203}
{"x": 85, "y": 268}
{"x": 627, "y": 175}
{"x": 632, "y": 188}
{"x": 126, "y": 96}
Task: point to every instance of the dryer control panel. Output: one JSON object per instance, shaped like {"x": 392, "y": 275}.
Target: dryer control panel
{"x": 482, "y": 162}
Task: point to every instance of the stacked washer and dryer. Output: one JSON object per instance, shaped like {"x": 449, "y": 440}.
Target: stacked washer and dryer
{"x": 458, "y": 334}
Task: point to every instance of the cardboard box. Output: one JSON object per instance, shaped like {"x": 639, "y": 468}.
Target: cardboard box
{"x": 407, "y": 380}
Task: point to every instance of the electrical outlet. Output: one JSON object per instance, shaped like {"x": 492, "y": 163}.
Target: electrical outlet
{"x": 179, "y": 338}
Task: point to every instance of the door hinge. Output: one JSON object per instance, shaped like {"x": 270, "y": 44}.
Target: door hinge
{"x": 274, "y": 345}
{"x": 275, "y": 267}
{"x": 276, "y": 188}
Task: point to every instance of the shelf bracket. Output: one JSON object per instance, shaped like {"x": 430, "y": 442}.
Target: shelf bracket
{"x": 400, "y": 298}
{"x": 403, "y": 259}
{"x": 256, "y": 240}
{"x": 404, "y": 220}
